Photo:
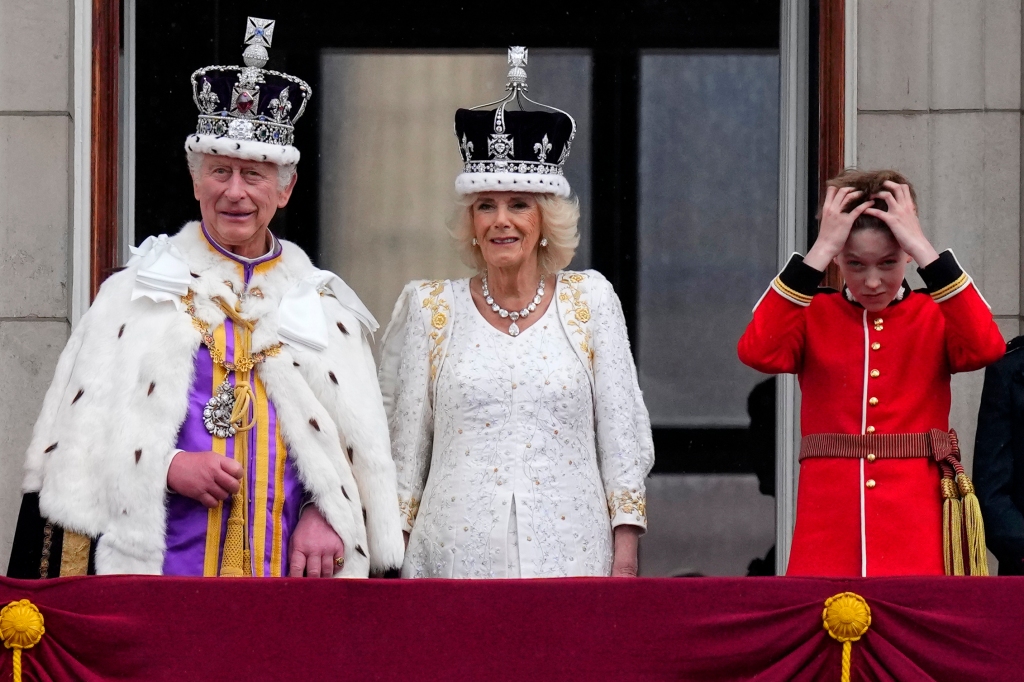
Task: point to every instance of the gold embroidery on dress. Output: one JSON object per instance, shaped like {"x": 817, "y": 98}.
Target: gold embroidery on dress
{"x": 580, "y": 312}
{"x": 629, "y": 502}
{"x": 439, "y": 312}
{"x": 409, "y": 509}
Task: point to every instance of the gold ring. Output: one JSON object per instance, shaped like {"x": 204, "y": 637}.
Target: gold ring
{"x": 340, "y": 562}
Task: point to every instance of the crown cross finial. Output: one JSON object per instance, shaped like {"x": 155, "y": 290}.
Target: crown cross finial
{"x": 259, "y": 31}
{"x": 517, "y": 59}
{"x": 259, "y": 34}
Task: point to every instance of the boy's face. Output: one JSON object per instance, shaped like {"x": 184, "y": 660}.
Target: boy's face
{"x": 873, "y": 265}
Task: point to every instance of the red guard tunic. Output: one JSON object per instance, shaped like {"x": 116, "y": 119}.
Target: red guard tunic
{"x": 863, "y": 372}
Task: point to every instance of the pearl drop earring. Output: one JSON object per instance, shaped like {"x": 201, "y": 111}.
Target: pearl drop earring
{"x": 474, "y": 241}
{"x": 544, "y": 241}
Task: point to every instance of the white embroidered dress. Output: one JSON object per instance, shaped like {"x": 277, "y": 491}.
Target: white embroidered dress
{"x": 507, "y": 464}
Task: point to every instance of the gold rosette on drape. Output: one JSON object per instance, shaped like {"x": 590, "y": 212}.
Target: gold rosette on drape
{"x": 846, "y": 618}
{"x": 21, "y": 627}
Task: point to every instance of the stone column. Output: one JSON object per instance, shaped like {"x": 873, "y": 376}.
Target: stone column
{"x": 939, "y": 99}
{"x": 35, "y": 198}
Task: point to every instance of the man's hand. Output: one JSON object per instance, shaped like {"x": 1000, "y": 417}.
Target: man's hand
{"x": 315, "y": 547}
{"x": 902, "y": 220}
{"x": 626, "y": 540}
{"x": 206, "y": 477}
{"x": 835, "y": 225}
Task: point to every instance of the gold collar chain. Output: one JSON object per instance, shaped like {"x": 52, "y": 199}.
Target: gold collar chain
{"x": 247, "y": 361}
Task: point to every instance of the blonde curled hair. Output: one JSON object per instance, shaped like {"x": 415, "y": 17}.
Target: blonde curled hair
{"x": 558, "y": 220}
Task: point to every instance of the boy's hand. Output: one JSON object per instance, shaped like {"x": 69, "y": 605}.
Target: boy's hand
{"x": 835, "y": 225}
{"x": 902, "y": 220}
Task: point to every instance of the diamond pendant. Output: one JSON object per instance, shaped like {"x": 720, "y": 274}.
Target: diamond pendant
{"x": 217, "y": 413}
{"x": 513, "y": 329}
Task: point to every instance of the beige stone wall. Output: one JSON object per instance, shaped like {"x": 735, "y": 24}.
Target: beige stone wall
{"x": 939, "y": 98}
{"x": 35, "y": 198}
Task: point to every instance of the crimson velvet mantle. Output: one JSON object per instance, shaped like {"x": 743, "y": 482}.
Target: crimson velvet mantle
{"x": 153, "y": 628}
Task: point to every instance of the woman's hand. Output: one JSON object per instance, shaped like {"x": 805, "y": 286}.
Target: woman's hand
{"x": 903, "y": 222}
{"x": 626, "y": 540}
{"x": 315, "y": 547}
{"x": 835, "y": 225}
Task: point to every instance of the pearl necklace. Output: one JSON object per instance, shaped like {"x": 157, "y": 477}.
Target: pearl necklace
{"x": 513, "y": 329}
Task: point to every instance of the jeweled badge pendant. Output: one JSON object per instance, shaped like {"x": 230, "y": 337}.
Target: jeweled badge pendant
{"x": 217, "y": 413}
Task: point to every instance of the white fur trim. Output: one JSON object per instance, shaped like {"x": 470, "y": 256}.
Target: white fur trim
{"x": 539, "y": 183}
{"x": 250, "y": 150}
{"x": 99, "y": 460}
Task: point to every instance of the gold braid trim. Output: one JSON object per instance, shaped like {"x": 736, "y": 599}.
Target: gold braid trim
{"x": 628, "y": 502}
{"x": 952, "y": 288}
{"x": 439, "y": 314}
{"x": 790, "y": 293}
{"x": 579, "y": 314}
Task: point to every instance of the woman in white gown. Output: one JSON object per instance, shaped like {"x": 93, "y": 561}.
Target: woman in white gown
{"x": 518, "y": 428}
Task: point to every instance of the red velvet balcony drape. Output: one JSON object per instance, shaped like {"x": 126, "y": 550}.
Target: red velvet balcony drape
{"x": 133, "y": 628}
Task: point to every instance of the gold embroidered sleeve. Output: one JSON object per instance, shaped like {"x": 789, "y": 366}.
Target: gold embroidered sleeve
{"x": 628, "y": 507}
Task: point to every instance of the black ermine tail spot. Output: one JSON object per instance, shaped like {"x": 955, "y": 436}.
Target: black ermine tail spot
{"x": 78, "y": 395}
{"x": 152, "y": 385}
{"x": 138, "y": 455}
{"x": 342, "y": 328}
{"x": 360, "y": 550}
{"x": 120, "y": 331}
{"x": 314, "y": 424}
{"x": 333, "y": 378}
{"x": 51, "y": 448}
{"x": 349, "y": 450}
{"x": 345, "y": 494}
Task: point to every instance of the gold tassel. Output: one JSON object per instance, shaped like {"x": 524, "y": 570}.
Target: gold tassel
{"x": 233, "y": 555}
{"x": 952, "y": 524}
{"x": 974, "y": 525}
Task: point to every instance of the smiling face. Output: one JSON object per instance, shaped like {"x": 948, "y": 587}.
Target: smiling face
{"x": 237, "y": 199}
{"x": 507, "y": 227}
{"x": 873, "y": 265}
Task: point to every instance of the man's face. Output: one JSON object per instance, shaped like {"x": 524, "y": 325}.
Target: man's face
{"x": 873, "y": 264}
{"x": 237, "y": 198}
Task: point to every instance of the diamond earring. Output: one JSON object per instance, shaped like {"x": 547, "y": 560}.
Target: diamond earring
{"x": 544, "y": 241}
{"x": 474, "y": 241}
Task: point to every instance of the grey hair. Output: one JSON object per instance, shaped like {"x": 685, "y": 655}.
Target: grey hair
{"x": 558, "y": 220}
{"x": 285, "y": 172}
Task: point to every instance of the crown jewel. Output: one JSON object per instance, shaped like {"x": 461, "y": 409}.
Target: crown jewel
{"x": 249, "y": 103}
{"x": 504, "y": 149}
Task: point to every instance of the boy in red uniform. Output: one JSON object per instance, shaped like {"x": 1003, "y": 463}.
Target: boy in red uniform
{"x": 874, "y": 363}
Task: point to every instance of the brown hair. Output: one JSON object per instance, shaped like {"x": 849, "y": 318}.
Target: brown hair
{"x": 869, "y": 182}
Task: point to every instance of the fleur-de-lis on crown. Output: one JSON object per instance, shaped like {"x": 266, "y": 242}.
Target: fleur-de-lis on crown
{"x": 542, "y": 148}
{"x": 208, "y": 98}
{"x": 467, "y": 148}
{"x": 280, "y": 107}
